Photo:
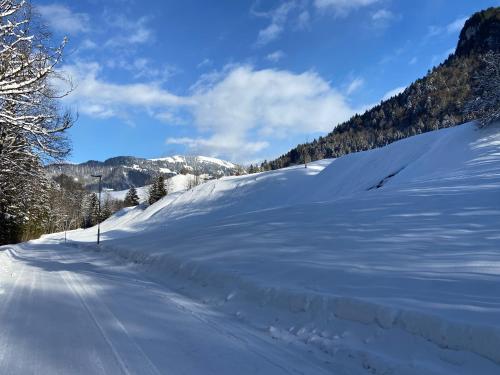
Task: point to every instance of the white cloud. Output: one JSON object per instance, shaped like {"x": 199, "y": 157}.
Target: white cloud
{"x": 456, "y": 25}
{"x": 278, "y": 18}
{"x": 382, "y": 14}
{"x": 61, "y": 18}
{"x": 355, "y": 85}
{"x": 342, "y": 8}
{"x": 291, "y": 13}
{"x": 206, "y": 62}
{"x": 95, "y": 97}
{"x": 88, "y": 44}
{"x": 393, "y": 92}
{"x": 413, "y": 60}
{"x": 144, "y": 68}
{"x": 452, "y": 28}
{"x": 303, "y": 20}
{"x": 238, "y": 111}
{"x": 269, "y": 103}
{"x": 221, "y": 145}
{"x": 271, "y": 100}
{"x": 276, "y": 56}
{"x": 128, "y": 31}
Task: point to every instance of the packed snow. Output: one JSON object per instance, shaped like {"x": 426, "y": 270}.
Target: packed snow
{"x": 384, "y": 261}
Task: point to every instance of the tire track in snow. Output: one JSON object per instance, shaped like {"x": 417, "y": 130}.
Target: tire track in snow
{"x": 7, "y": 306}
{"x": 129, "y": 355}
{"x": 159, "y": 291}
{"x": 227, "y": 332}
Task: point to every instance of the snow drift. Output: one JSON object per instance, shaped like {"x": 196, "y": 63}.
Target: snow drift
{"x": 404, "y": 238}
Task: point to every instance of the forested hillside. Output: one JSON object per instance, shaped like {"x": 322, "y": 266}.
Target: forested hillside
{"x": 122, "y": 172}
{"x": 432, "y": 102}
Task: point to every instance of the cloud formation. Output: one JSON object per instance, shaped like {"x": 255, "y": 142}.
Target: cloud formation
{"x": 275, "y": 56}
{"x": 394, "y": 92}
{"x": 236, "y": 112}
{"x": 61, "y": 18}
{"x": 96, "y": 97}
{"x": 451, "y": 28}
{"x": 128, "y": 31}
{"x": 342, "y": 8}
{"x": 355, "y": 84}
{"x": 278, "y": 19}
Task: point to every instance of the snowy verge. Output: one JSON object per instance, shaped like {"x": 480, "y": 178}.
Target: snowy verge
{"x": 314, "y": 307}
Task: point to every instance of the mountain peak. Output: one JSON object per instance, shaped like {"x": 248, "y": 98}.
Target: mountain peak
{"x": 481, "y": 33}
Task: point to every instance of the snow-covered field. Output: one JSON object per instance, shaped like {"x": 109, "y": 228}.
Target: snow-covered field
{"x": 385, "y": 261}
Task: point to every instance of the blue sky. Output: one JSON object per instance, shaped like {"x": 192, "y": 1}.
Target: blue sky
{"x": 243, "y": 80}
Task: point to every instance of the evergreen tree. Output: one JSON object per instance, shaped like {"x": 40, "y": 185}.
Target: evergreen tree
{"x": 161, "y": 191}
{"x": 485, "y": 104}
{"x": 131, "y": 199}
{"x": 157, "y": 190}
{"x": 153, "y": 192}
{"x": 91, "y": 210}
{"x": 107, "y": 209}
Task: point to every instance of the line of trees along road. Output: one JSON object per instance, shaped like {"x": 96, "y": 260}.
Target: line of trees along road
{"x": 32, "y": 124}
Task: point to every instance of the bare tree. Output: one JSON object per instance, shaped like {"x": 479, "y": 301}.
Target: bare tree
{"x": 29, "y": 113}
{"x": 485, "y": 105}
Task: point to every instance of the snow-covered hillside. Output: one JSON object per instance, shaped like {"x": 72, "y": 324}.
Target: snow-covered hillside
{"x": 196, "y": 160}
{"x": 173, "y": 184}
{"x": 387, "y": 259}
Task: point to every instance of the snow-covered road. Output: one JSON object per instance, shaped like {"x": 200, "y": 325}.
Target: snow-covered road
{"x": 66, "y": 311}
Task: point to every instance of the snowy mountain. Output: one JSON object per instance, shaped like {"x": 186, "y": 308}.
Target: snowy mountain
{"x": 385, "y": 260}
{"x": 121, "y": 172}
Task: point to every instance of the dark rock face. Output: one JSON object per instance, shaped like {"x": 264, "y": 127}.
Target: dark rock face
{"x": 480, "y": 34}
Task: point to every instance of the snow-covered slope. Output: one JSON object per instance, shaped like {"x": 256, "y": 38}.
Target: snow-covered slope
{"x": 389, "y": 257}
{"x": 173, "y": 184}
{"x": 196, "y": 160}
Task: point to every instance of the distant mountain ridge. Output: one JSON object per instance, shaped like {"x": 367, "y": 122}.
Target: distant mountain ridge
{"x": 433, "y": 102}
{"x": 122, "y": 172}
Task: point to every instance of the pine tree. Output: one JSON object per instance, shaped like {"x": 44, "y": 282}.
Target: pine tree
{"x": 107, "y": 208}
{"x": 153, "y": 192}
{"x": 485, "y": 104}
{"x": 157, "y": 190}
{"x": 161, "y": 191}
{"x": 131, "y": 199}
{"x": 91, "y": 210}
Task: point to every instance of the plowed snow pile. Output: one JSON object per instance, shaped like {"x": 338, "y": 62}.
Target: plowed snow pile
{"x": 403, "y": 239}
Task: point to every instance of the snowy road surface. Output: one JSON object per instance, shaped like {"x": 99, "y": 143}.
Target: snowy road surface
{"x": 65, "y": 311}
